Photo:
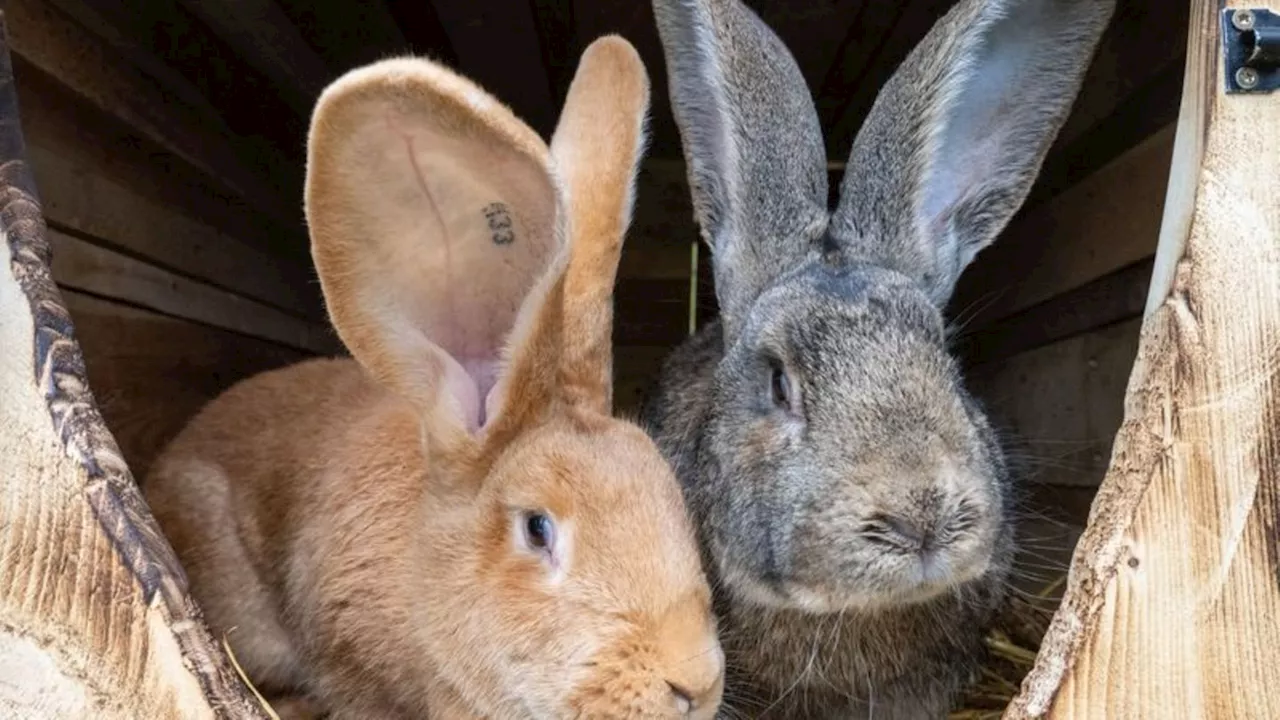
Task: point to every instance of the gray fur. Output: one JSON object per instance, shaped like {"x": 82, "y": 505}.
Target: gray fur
{"x": 759, "y": 183}
{"x": 807, "y": 510}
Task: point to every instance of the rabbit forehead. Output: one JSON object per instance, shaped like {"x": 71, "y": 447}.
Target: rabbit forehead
{"x": 855, "y": 304}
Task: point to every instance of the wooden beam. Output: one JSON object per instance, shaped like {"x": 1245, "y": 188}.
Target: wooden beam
{"x": 79, "y": 200}
{"x": 119, "y": 27}
{"x": 55, "y": 119}
{"x": 346, "y": 35}
{"x": 422, "y": 28}
{"x": 1171, "y": 604}
{"x": 185, "y": 58}
{"x": 97, "y": 619}
{"x": 853, "y": 60}
{"x": 1100, "y": 225}
{"x": 1145, "y": 112}
{"x": 263, "y": 34}
{"x": 1062, "y": 402}
{"x": 662, "y": 224}
{"x": 914, "y": 20}
{"x": 1143, "y": 40}
{"x": 497, "y": 47}
{"x": 88, "y": 268}
{"x": 80, "y": 61}
{"x": 151, "y": 373}
{"x": 1110, "y": 299}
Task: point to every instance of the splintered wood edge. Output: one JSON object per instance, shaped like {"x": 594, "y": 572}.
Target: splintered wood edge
{"x": 1136, "y": 450}
{"x": 111, "y": 492}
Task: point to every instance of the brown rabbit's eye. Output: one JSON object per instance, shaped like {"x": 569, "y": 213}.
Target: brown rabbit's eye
{"x": 540, "y": 530}
{"x": 781, "y": 388}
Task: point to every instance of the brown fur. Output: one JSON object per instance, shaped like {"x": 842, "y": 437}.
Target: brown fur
{"x": 355, "y": 525}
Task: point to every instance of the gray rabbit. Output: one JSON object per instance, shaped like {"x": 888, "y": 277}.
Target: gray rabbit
{"x": 853, "y": 503}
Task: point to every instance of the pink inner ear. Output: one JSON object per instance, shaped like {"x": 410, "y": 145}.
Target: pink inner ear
{"x": 474, "y": 227}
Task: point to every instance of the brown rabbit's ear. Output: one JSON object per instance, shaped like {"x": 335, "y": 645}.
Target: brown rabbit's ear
{"x": 956, "y": 138}
{"x": 433, "y": 219}
{"x": 597, "y": 149}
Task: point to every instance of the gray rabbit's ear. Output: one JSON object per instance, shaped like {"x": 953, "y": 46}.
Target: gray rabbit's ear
{"x": 752, "y": 144}
{"x": 957, "y": 136}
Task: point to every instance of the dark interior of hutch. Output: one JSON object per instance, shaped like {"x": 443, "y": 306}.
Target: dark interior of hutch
{"x": 167, "y": 139}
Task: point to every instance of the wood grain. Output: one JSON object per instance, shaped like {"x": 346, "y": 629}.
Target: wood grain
{"x": 497, "y": 45}
{"x": 95, "y": 619}
{"x": 151, "y": 373}
{"x": 1106, "y": 222}
{"x": 1110, "y": 299}
{"x": 54, "y": 117}
{"x": 89, "y": 268}
{"x": 261, "y": 32}
{"x": 1060, "y": 405}
{"x": 78, "y": 199}
{"x": 1172, "y": 600}
{"x": 50, "y": 41}
{"x": 1144, "y": 39}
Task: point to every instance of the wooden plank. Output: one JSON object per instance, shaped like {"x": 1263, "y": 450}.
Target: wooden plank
{"x": 113, "y": 23}
{"x": 422, "y": 27}
{"x": 1063, "y": 402}
{"x": 849, "y": 69}
{"x": 1143, "y": 113}
{"x": 815, "y": 33}
{"x": 1144, "y": 39}
{"x": 50, "y": 41}
{"x": 346, "y": 35}
{"x": 1105, "y": 301}
{"x": 497, "y": 47}
{"x": 77, "y": 198}
{"x": 151, "y": 373}
{"x": 97, "y": 620}
{"x": 1098, "y": 226}
{"x": 1171, "y": 605}
{"x": 52, "y": 117}
{"x": 662, "y": 224}
{"x": 915, "y": 20}
{"x": 263, "y": 34}
{"x": 186, "y": 59}
{"x": 82, "y": 266}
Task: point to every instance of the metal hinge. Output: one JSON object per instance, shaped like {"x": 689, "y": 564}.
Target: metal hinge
{"x": 1251, "y": 50}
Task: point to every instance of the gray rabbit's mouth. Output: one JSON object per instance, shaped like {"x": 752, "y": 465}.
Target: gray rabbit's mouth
{"x": 895, "y": 580}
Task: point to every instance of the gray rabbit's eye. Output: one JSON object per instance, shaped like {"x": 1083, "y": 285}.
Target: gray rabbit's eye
{"x": 780, "y": 386}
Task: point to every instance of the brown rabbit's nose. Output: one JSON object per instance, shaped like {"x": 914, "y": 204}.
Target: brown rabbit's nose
{"x": 689, "y": 699}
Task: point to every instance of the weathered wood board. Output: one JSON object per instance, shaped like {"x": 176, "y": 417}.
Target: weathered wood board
{"x": 1172, "y": 600}
{"x": 95, "y": 619}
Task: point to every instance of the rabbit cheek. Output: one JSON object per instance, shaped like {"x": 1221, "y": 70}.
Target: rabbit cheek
{"x": 677, "y": 673}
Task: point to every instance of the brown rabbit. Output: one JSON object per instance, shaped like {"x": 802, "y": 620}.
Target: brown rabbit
{"x": 451, "y": 524}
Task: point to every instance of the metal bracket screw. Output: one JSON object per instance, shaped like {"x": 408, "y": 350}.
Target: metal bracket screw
{"x": 1247, "y": 78}
{"x": 1250, "y": 50}
{"x": 1243, "y": 20}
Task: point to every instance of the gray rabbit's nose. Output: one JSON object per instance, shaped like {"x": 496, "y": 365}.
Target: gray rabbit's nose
{"x": 901, "y": 532}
